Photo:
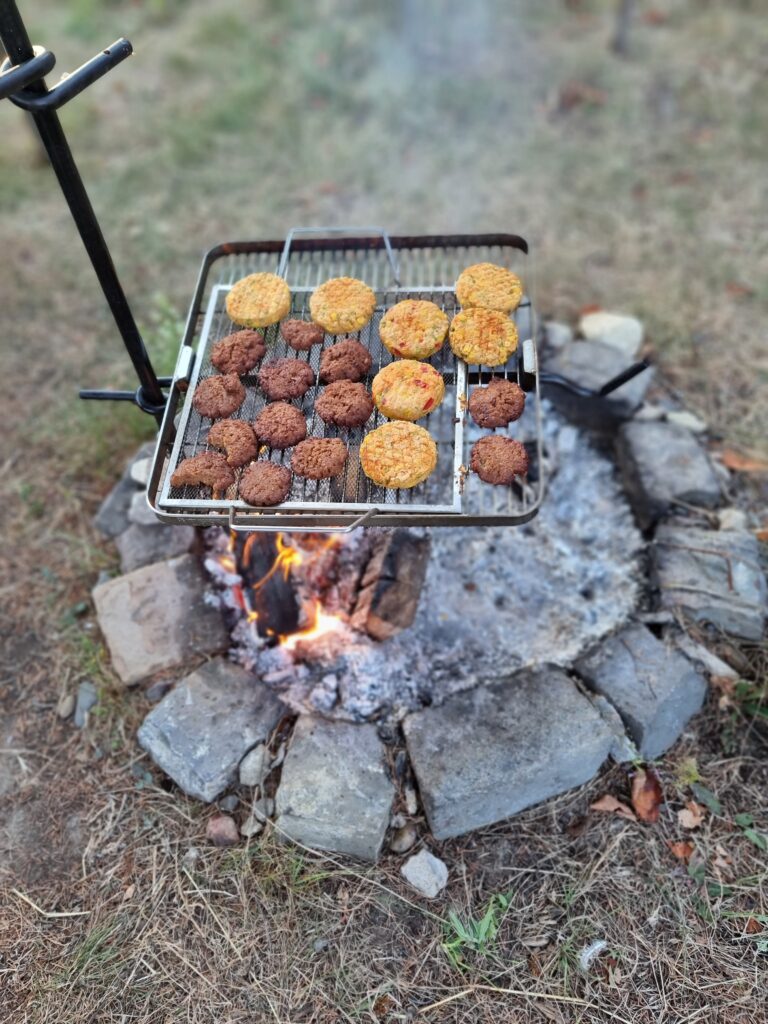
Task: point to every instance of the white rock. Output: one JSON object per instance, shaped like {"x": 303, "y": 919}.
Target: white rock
{"x": 140, "y": 471}
{"x": 649, "y": 412}
{"x": 622, "y": 332}
{"x": 66, "y": 705}
{"x": 140, "y": 512}
{"x": 411, "y": 801}
{"x": 426, "y": 873}
{"x": 732, "y": 519}
{"x": 558, "y": 335}
{"x": 252, "y": 766}
{"x": 684, "y": 418}
{"x": 251, "y": 827}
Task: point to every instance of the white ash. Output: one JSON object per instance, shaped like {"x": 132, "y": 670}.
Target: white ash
{"x": 495, "y": 600}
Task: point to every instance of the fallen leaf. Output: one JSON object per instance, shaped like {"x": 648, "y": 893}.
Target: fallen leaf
{"x": 739, "y": 463}
{"x": 722, "y": 860}
{"x": 611, "y": 805}
{"x": 738, "y": 290}
{"x": 753, "y": 926}
{"x": 725, "y": 684}
{"x": 573, "y": 94}
{"x": 592, "y": 307}
{"x": 129, "y": 892}
{"x": 762, "y": 534}
{"x": 382, "y": 1005}
{"x": 653, "y": 16}
{"x": 647, "y": 796}
{"x": 691, "y": 816}
{"x": 682, "y": 850}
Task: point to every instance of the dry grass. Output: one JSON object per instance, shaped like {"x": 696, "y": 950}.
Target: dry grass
{"x": 648, "y": 196}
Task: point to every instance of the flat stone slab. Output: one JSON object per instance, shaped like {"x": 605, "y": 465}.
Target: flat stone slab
{"x": 661, "y": 464}
{"x": 157, "y": 618}
{"x": 143, "y": 545}
{"x": 654, "y": 687}
{"x": 592, "y": 364}
{"x": 201, "y": 730}
{"x": 624, "y": 333}
{"x": 490, "y": 752}
{"x": 335, "y": 793}
{"x": 713, "y": 576}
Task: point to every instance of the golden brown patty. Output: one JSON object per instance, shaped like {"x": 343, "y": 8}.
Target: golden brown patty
{"x": 414, "y": 329}
{"x": 258, "y": 300}
{"x": 285, "y": 378}
{"x": 498, "y": 460}
{"x": 208, "y": 469}
{"x": 344, "y": 403}
{"x": 237, "y": 439}
{"x": 408, "y": 389}
{"x": 301, "y": 334}
{"x": 346, "y": 360}
{"x": 487, "y": 286}
{"x": 280, "y": 425}
{"x": 398, "y": 454}
{"x": 498, "y": 404}
{"x": 483, "y": 336}
{"x": 342, "y": 304}
{"x": 319, "y": 457}
{"x": 218, "y": 396}
{"x": 238, "y": 352}
{"x": 264, "y": 483}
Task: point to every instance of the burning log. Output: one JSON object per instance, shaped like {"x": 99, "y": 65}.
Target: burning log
{"x": 265, "y": 562}
{"x": 391, "y": 583}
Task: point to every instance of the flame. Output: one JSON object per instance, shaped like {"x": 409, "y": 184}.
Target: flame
{"x": 321, "y": 623}
{"x": 286, "y": 558}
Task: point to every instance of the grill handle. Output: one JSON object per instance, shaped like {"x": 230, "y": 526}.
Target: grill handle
{"x": 293, "y": 232}
{"x": 290, "y": 529}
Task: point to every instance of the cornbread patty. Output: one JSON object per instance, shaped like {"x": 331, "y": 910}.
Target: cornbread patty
{"x": 238, "y": 352}
{"x": 237, "y": 439}
{"x": 285, "y": 378}
{"x": 342, "y": 304}
{"x": 414, "y": 329}
{"x": 319, "y": 457}
{"x": 407, "y": 389}
{"x": 301, "y": 334}
{"x": 487, "y": 286}
{"x": 346, "y": 360}
{"x": 265, "y": 483}
{"x": 483, "y": 336}
{"x": 498, "y": 404}
{"x": 258, "y": 300}
{"x": 398, "y": 454}
{"x": 208, "y": 469}
{"x": 219, "y": 396}
{"x": 498, "y": 460}
{"x": 280, "y": 425}
{"x": 344, "y": 403}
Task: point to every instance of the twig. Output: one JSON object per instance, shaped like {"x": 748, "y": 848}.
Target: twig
{"x": 527, "y": 995}
{"x": 50, "y": 913}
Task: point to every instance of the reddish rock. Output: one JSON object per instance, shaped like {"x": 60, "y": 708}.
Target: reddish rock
{"x": 222, "y": 831}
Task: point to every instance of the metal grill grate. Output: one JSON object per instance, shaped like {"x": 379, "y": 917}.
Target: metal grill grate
{"x": 449, "y": 496}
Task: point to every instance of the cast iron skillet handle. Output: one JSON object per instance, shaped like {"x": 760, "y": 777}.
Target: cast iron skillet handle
{"x": 290, "y": 529}
{"x": 283, "y": 265}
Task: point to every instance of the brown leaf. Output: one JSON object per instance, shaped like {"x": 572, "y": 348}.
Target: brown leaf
{"x": 611, "y": 805}
{"x": 725, "y": 684}
{"x": 382, "y": 1005}
{"x": 753, "y": 926}
{"x": 738, "y": 290}
{"x": 653, "y": 16}
{"x": 647, "y": 796}
{"x": 762, "y": 534}
{"x": 691, "y": 816}
{"x": 592, "y": 307}
{"x": 742, "y": 463}
{"x": 682, "y": 850}
{"x": 573, "y": 94}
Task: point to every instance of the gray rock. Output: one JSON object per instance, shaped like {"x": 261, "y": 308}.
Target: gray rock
{"x": 712, "y": 576}
{"x": 558, "y": 335}
{"x": 687, "y": 420}
{"x": 65, "y": 705}
{"x": 229, "y": 803}
{"x": 426, "y": 873}
{"x": 624, "y": 333}
{"x": 335, "y": 793}
{"x": 112, "y": 516}
{"x": 142, "y": 545}
{"x": 652, "y": 685}
{"x": 732, "y": 519}
{"x": 139, "y": 511}
{"x": 157, "y": 618}
{"x": 87, "y": 697}
{"x": 702, "y": 656}
{"x": 403, "y": 839}
{"x": 140, "y": 471}
{"x": 221, "y": 830}
{"x": 487, "y": 753}
{"x": 591, "y": 364}
{"x": 252, "y": 767}
{"x": 623, "y": 749}
{"x": 263, "y": 809}
{"x": 199, "y": 732}
{"x": 663, "y": 464}
{"x": 158, "y": 690}
{"x": 252, "y": 826}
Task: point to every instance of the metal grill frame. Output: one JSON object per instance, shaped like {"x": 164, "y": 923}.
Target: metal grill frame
{"x": 321, "y": 515}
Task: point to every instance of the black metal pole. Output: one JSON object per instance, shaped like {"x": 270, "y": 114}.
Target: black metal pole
{"x": 19, "y": 49}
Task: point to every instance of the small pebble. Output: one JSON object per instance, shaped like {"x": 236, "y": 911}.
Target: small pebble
{"x": 279, "y": 757}
{"x": 190, "y": 858}
{"x": 426, "y": 873}
{"x": 229, "y": 803}
{"x": 397, "y": 820}
{"x": 320, "y": 944}
{"x": 252, "y": 766}
{"x": 411, "y": 801}
{"x": 683, "y": 418}
{"x": 222, "y": 831}
{"x": 263, "y": 808}
{"x": 251, "y": 827}
{"x": 66, "y": 705}
{"x": 403, "y": 839}
{"x": 87, "y": 696}
{"x": 158, "y": 690}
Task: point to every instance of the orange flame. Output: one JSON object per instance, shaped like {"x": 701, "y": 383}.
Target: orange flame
{"x": 286, "y": 558}
{"x": 321, "y": 623}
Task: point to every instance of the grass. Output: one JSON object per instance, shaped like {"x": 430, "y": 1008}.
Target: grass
{"x": 645, "y": 196}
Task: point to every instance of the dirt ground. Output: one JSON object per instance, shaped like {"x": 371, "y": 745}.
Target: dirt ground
{"x": 640, "y": 181}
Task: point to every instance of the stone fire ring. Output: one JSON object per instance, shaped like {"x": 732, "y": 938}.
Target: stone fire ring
{"x": 485, "y": 752}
